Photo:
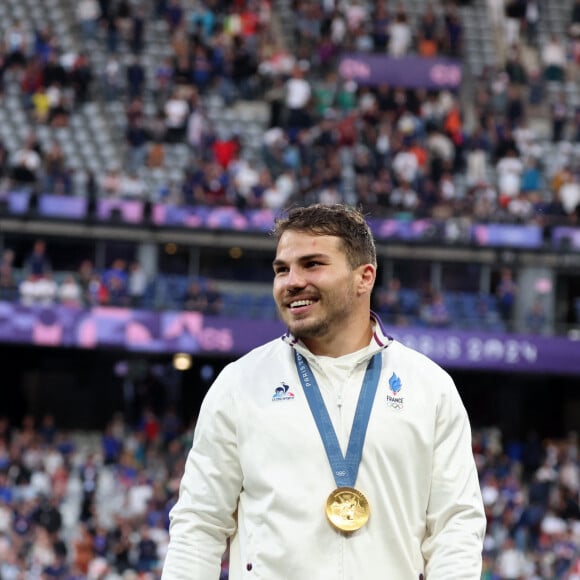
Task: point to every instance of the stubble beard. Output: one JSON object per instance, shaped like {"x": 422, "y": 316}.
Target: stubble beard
{"x": 314, "y": 329}
{"x": 338, "y": 309}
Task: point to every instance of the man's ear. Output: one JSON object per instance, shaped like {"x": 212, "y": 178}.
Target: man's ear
{"x": 368, "y": 274}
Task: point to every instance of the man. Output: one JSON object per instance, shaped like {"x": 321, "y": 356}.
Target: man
{"x": 280, "y": 462}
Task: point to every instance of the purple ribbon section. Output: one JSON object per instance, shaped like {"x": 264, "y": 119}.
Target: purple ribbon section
{"x": 158, "y": 332}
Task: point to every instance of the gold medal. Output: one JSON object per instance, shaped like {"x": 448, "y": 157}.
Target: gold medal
{"x": 347, "y": 509}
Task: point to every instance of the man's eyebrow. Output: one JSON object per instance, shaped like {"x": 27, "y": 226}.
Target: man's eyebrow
{"x": 306, "y": 258}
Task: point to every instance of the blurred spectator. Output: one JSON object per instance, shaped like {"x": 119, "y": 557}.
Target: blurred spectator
{"x": 112, "y": 79}
{"x": 429, "y": 32}
{"x": 137, "y": 284}
{"x": 8, "y": 283}
{"x": 116, "y": 279}
{"x": 453, "y": 40}
{"x": 147, "y": 556}
{"x": 4, "y": 159}
{"x": 195, "y": 298}
{"x": 297, "y": 101}
{"x": 404, "y": 198}
{"x": 534, "y": 10}
{"x": 97, "y": 291}
{"x": 536, "y": 319}
{"x": 388, "y": 302}
{"x": 132, "y": 186}
{"x": 279, "y": 193}
{"x": 38, "y": 290}
{"x": 553, "y": 56}
{"x": 135, "y": 76}
{"x": 37, "y": 262}
{"x": 400, "y": 34}
{"x": 70, "y": 292}
{"x": 512, "y": 563}
{"x": 110, "y": 182}
{"x": 434, "y": 312}
{"x": 197, "y": 130}
{"x": 506, "y": 292}
{"x": 59, "y": 106}
{"x": 84, "y": 275}
{"x": 26, "y": 166}
{"x": 88, "y": 13}
{"x": 559, "y": 117}
{"x": 137, "y": 29}
{"x": 214, "y": 298}
{"x": 509, "y": 176}
{"x": 515, "y": 12}
{"x": 18, "y": 44}
{"x": 176, "y": 110}
{"x": 57, "y": 175}
{"x": 83, "y": 551}
{"x": 137, "y": 137}
{"x": 81, "y": 78}
{"x": 569, "y": 192}
{"x": 406, "y": 166}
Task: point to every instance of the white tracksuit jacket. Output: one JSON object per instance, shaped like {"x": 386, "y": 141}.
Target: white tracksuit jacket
{"x": 258, "y": 472}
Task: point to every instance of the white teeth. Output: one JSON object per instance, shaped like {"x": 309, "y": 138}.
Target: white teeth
{"x": 298, "y": 303}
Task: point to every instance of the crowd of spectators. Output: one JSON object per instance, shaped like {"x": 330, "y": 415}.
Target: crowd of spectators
{"x": 390, "y": 149}
{"x": 78, "y": 505}
{"x": 123, "y": 283}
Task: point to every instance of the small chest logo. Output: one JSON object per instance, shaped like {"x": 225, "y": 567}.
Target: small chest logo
{"x": 282, "y": 393}
{"x": 395, "y": 401}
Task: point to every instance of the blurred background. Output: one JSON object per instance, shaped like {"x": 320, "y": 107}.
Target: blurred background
{"x": 146, "y": 148}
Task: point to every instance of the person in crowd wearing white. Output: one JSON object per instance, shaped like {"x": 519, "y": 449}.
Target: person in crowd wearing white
{"x": 137, "y": 283}
{"x": 69, "y": 291}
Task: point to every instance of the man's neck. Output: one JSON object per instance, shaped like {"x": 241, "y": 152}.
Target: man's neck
{"x": 341, "y": 344}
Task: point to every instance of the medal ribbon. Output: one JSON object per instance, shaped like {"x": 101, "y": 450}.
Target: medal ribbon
{"x": 344, "y": 468}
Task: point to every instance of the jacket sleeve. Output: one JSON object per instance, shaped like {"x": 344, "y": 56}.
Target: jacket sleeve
{"x": 204, "y": 515}
{"x": 456, "y": 522}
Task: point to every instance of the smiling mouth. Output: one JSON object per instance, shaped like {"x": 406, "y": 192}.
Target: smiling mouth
{"x": 300, "y": 303}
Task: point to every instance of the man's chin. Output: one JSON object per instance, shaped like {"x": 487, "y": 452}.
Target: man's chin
{"x": 305, "y": 329}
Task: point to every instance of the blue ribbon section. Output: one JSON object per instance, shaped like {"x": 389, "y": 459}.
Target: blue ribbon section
{"x": 344, "y": 468}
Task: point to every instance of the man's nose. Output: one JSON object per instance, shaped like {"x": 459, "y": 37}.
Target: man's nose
{"x": 295, "y": 278}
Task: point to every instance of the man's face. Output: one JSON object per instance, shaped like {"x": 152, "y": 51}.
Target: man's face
{"x": 314, "y": 286}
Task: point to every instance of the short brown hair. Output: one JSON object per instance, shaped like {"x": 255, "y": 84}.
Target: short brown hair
{"x": 345, "y": 222}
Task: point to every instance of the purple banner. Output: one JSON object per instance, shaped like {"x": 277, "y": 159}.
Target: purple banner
{"x": 566, "y": 236}
{"x": 192, "y": 332}
{"x": 126, "y": 211}
{"x": 494, "y": 351}
{"x": 400, "y": 229}
{"x": 16, "y": 201}
{"x": 514, "y": 236}
{"x": 62, "y": 207}
{"x": 213, "y": 218}
{"x": 133, "y": 330}
{"x": 405, "y": 71}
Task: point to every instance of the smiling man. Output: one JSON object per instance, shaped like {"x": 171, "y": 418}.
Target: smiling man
{"x": 335, "y": 452}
